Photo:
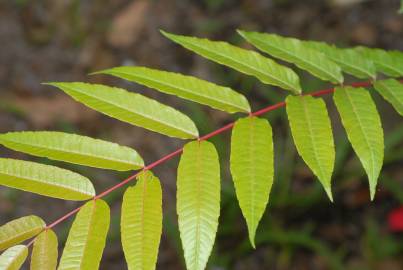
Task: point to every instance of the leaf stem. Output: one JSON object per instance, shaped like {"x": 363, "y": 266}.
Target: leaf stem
{"x": 205, "y": 137}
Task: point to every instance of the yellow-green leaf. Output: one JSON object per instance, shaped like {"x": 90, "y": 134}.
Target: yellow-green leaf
{"x": 132, "y": 108}
{"x": 198, "y": 201}
{"x": 45, "y": 180}
{"x": 187, "y": 87}
{"x": 13, "y": 258}
{"x": 87, "y": 237}
{"x": 361, "y": 120}
{"x": 389, "y": 63}
{"x": 392, "y": 91}
{"x": 294, "y": 51}
{"x": 313, "y": 137}
{"x": 350, "y": 61}
{"x": 19, "y": 230}
{"x": 74, "y": 149}
{"x": 252, "y": 168}
{"x": 141, "y": 222}
{"x": 245, "y": 61}
{"x": 44, "y": 253}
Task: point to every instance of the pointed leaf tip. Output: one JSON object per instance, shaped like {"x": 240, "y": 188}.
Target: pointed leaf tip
{"x": 252, "y": 168}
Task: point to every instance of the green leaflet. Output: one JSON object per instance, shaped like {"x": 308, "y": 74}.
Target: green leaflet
{"x": 350, "y": 61}
{"x": 132, "y": 108}
{"x": 252, "y": 168}
{"x": 198, "y": 201}
{"x": 401, "y": 7}
{"x": 363, "y": 126}
{"x": 313, "y": 137}
{"x": 294, "y": 51}
{"x": 13, "y": 258}
{"x": 44, "y": 253}
{"x": 19, "y": 230}
{"x": 187, "y": 87}
{"x": 392, "y": 91}
{"x": 141, "y": 222}
{"x": 245, "y": 61}
{"x": 87, "y": 237}
{"x": 389, "y": 63}
{"x": 74, "y": 149}
{"x": 45, "y": 180}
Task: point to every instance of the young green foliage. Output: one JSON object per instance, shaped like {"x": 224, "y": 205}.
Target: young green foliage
{"x": 350, "y": 61}
{"x": 386, "y": 62}
{"x": 87, "y": 237}
{"x": 141, "y": 222}
{"x": 361, "y": 120}
{"x": 19, "y": 230}
{"x": 74, "y": 149}
{"x": 313, "y": 137}
{"x": 198, "y": 201}
{"x": 187, "y": 87}
{"x": 44, "y": 253}
{"x": 13, "y": 258}
{"x": 245, "y": 61}
{"x": 45, "y": 180}
{"x": 294, "y": 51}
{"x": 392, "y": 91}
{"x": 132, "y": 108}
{"x": 252, "y": 168}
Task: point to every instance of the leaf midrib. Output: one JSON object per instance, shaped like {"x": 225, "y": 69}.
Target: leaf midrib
{"x": 86, "y": 155}
{"x": 295, "y": 56}
{"x": 256, "y": 55}
{"x": 354, "y": 109}
{"x": 136, "y": 113}
{"x": 187, "y": 91}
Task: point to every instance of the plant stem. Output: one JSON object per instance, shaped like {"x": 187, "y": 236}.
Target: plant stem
{"x": 205, "y": 137}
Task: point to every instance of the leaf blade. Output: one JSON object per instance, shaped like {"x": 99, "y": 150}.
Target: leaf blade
{"x": 252, "y": 168}
{"x": 87, "y": 237}
{"x": 13, "y": 258}
{"x": 363, "y": 125}
{"x": 392, "y": 91}
{"x": 313, "y": 137}
{"x": 141, "y": 222}
{"x": 245, "y": 61}
{"x": 73, "y": 148}
{"x": 132, "y": 108}
{"x": 389, "y": 63}
{"x": 294, "y": 51}
{"x": 19, "y": 230}
{"x": 187, "y": 87}
{"x": 350, "y": 61}
{"x": 45, "y": 180}
{"x": 198, "y": 201}
{"x": 44, "y": 254}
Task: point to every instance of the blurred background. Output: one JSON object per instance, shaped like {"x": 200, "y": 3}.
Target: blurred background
{"x": 65, "y": 40}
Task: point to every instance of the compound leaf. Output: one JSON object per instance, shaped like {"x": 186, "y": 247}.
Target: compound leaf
{"x": 45, "y": 180}
{"x": 245, "y": 61}
{"x": 294, "y": 51}
{"x": 44, "y": 254}
{"x": 141, "y": 222}
{"x": 350, "y": 61}
{"x": 87, "y": 237}
{"x": 74, "y": 149}
{"x": 313, "y": 137}
{"x": 252, "y": 168}
{"x": 19, "y": 230}
{"x": 132, "y": 108}
{"x": 13, "y": 258}
{"x": 361, "y": 120}
{"x": 389, "y": 63}
{"x": 187, "y": 87}
{"x": 198, "y": 201}
{"x": 392, "y": 91}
